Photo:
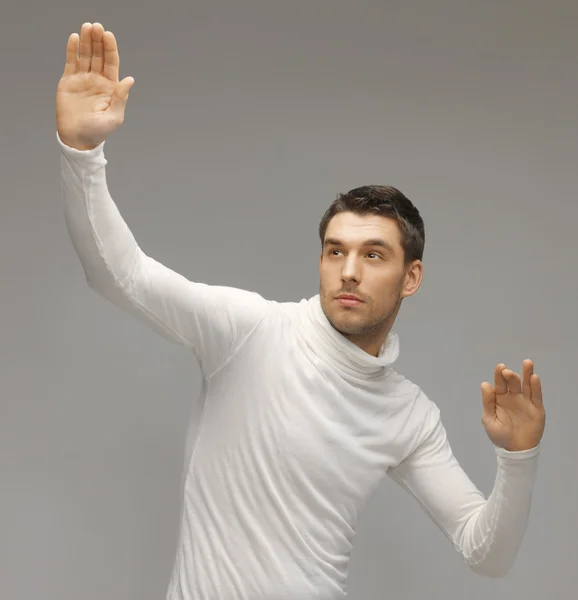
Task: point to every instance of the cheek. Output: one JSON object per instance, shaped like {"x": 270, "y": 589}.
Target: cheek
{"x": 328, "y": 273}
{"x": 389, "y": 286}
{"x": 324, "y": 280}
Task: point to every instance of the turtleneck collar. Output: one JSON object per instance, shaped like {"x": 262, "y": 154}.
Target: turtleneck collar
{"x": 331, "y": 346}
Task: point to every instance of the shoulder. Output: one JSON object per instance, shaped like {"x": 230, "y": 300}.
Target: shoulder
{"x": 423, "y": 415}
{"x": 288, "y": 310}
{"x": 419, "y": 401}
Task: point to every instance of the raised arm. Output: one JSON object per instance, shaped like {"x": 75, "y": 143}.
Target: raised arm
{"x": 213, "y": 321}
{"x": 486, "y": 532}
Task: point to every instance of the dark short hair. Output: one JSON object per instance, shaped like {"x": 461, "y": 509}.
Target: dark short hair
{"x": 386, "y": 201}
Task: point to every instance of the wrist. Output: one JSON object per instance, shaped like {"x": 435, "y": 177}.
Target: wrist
{"x": 75, "y": 143}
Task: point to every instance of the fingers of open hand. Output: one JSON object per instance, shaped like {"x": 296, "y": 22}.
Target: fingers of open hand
{"x": 85, "y": 58}
{"x": 97, "y": 62}
{"x": 111, "y": 58}
{"x": 93, "y": 51}
{"x": 71, "y": 65}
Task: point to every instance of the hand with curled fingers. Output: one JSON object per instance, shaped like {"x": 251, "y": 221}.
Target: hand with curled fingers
{"x": 513, "y": 410}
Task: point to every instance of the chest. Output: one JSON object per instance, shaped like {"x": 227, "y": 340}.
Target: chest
{"x": 314, "y": 429}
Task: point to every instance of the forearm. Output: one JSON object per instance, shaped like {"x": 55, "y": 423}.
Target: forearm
{"x": 486, "y": 532}
{"x": 492, "y": 535}
{"x": 211, "y": 320}
{"x": 114, "y": 265}
{"x": 105, "y": 246}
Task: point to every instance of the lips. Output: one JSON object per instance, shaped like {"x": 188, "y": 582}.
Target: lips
{"x": 349, "y": 300}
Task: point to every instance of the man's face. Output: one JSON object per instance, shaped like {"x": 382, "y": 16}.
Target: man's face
{"x": 362, "y": 256}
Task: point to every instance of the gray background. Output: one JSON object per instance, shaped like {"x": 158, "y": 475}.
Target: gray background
{"x": 245, "y": 121}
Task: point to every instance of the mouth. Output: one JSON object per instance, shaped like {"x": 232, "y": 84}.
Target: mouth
{"x": 349, "y": 300}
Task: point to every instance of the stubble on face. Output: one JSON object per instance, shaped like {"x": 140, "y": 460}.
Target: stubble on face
{"x": 362, "y": 256}
{"x": 368, "y": 320}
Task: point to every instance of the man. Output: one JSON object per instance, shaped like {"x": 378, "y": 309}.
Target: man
{"x": 303, "y": 412}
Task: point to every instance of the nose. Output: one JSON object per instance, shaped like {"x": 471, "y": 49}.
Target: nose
{"x": 351, "y": 270}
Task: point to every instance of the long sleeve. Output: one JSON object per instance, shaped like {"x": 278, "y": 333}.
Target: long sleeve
{"x": 212, "y": 321}
{"x": 486, "y": 532}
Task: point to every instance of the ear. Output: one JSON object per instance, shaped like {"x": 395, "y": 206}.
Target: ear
{"x": 412, "y": 279}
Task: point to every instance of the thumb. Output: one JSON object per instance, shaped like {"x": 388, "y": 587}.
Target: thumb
{"x": 120, "y": 95}
{"x": 488, "y": 400}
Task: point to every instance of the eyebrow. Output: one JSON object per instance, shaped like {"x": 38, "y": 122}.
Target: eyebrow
{"x": 371, "y": 242}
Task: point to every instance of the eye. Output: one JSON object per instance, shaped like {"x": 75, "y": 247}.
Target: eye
{"x": 374, "y": 254}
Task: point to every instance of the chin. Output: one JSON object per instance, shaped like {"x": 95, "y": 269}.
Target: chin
{"x": 347, "y": 323}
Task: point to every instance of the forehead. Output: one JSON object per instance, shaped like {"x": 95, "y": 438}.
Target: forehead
{"x": 351, "y": 228}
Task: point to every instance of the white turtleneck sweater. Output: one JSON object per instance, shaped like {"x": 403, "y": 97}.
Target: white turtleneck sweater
{"x": 299, "y": 427}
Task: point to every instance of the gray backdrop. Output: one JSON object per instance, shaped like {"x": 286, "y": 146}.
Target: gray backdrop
{"x": 245, "y": 120}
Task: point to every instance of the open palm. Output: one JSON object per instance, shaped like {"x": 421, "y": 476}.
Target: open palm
{"x": 90, "y": 99}
{"x": 513, "y": 410}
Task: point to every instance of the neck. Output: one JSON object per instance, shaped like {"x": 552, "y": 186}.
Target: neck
{"x": 360, "y": 358}
{"x": 369, "y": 342}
